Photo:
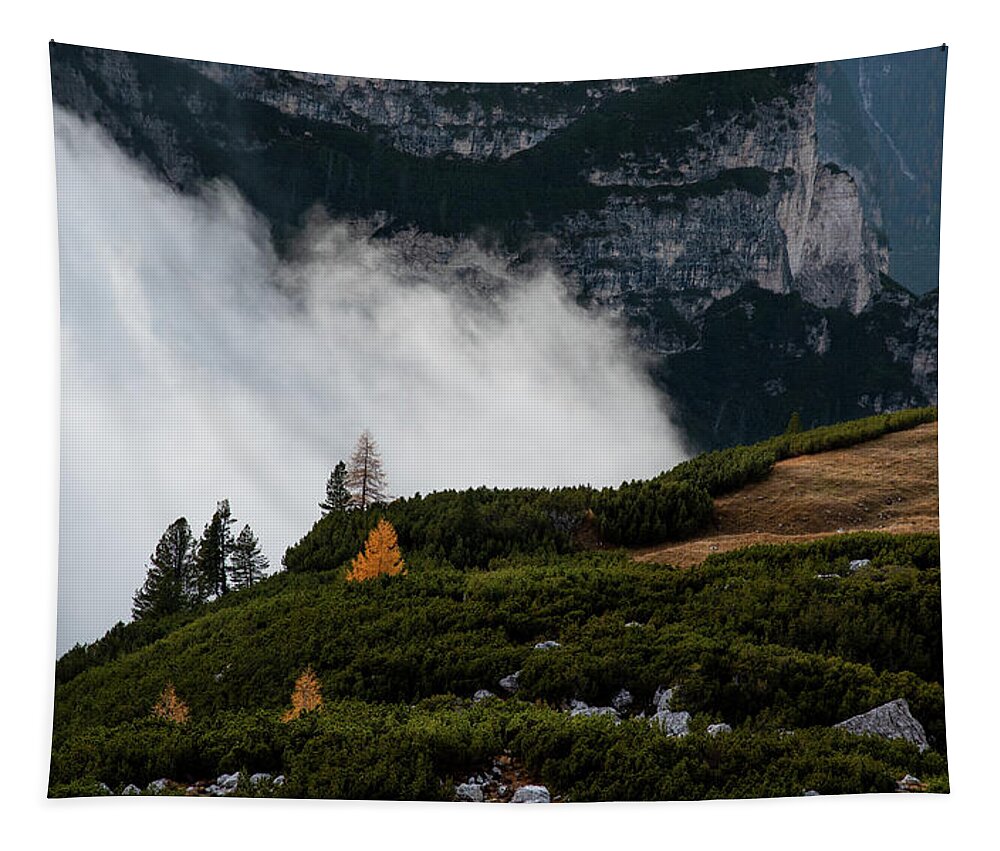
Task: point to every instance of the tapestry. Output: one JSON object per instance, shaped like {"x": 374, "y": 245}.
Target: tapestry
{"x": 540, "y": 442}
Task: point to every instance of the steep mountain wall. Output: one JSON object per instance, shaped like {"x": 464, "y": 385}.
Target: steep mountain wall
{"x": 671, "y": 201}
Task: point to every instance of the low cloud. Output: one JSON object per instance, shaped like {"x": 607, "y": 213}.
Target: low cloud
{"x": 198, "y": 365}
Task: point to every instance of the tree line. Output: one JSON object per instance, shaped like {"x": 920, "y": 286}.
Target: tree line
{"x": 185, "y": 572}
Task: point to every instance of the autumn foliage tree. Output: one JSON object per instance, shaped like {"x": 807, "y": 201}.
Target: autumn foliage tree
{"x": 380, "y": 557}
{"x": 306, "y": 696}
{"x": 170, "y": 707}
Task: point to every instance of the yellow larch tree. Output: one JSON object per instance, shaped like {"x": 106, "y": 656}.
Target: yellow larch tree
{"x": 170, "y": 707}
{"x": 381, "y": 555}
{"x": 306, "y": 695}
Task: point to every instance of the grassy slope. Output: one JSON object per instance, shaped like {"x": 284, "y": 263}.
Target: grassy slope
{"x": 753, "y": 638}
{"x": 889, "y": 484}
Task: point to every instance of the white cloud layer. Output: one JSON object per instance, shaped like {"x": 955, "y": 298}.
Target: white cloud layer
{"x": 197, "y": 365}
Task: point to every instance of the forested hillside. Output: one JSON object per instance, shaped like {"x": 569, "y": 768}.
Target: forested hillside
{"x": 516, "y": 645}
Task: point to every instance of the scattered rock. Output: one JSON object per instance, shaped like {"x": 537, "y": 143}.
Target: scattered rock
{"x": 547, "y": 645}
{"x": 632, "y": 624}
{"x": 910, "y": 784}
{"x": 228, "y": 781}
{"x": 716, "y": 729}
{"x": 623, "y": 700}
{"x": 279, "y": 780}
{"x": 482, "y": 694}
{"x": 577, "y": 708}
{"x": 469, "y": 792}
{"x": 131, "y": 789}
{"x": 662, "y": 698}
{"x": 105, "y": 789}
{"x": 531, "y": 795}
{"x": 810, "y": 793}
{"x": 858, "y": 563}
{"x": 889, "y": 721}
{"x": 158, "y": 786}
{"x": 671, "y": 723}
{"x": 828, "y": 576}
{"x": 260, "y": 777}
{"x": 510, "y": 682}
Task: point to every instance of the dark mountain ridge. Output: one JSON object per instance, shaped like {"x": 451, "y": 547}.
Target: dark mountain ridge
{"x": 677, "y": 202}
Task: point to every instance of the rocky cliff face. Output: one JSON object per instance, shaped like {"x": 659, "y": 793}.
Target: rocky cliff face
{"x": 671, "y": 201}
{"x": 426, "y": 119}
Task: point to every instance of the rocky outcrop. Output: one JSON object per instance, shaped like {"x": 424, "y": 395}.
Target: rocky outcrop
{"x": 670, "y": 722}
{"x": 890, "y": 721}
{"x": 531, "y": 795}
{"x": 427, "y": 119}
{"x": 472, "y": 792}
{"x": 718, "y": 729}
{"x": 623, "y": 700}
{"x": 510, "y": 682}
{"x": 579, "y": 709}
{"x": 547, "y": 645}
{"x": 840, "y": 261}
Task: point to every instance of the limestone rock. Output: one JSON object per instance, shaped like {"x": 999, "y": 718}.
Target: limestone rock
{"x": 510, "y": 682}
{"x": 482, "y": 694}
{"x": 662, "y": 698}
{"x": 579, "y": 709}
{"x": 469, "y": 792}
{"x": 889, "y": 721}
{"x": 531, "y": 795}
{"x": 858, "y": 563}
{"x": 623, "y": 700}
{"x": 131, "y": 789}
{"x": 547, "y": 645}
{"x": 716, "y": 729}
{"x": 672, "y": 723}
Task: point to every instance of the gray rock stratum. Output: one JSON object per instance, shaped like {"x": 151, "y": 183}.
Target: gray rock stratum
{"x": 892, "y": 720}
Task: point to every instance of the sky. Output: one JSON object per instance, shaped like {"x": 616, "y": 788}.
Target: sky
{"x": 197, "y": 365}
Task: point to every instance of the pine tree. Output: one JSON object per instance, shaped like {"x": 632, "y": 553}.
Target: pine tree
{"x": 338, "y": 497}
{"x": 794, "y": 423}
{"x": 365, "y": 478}
{"x": 170, "y": 578}
{"x": 381, "y": 555}
{"x": 249, "y": 563}
{"x": 306, "y": 695}
{"x": 214, "y": 552}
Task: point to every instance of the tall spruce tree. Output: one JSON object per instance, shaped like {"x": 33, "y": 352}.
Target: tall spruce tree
{"x": 214, "y": 553}
{"x": 170, "y": 579}
{"x": 338, "y": 497}
{"x": 249, "y": 563}
{"x": 365, "y": 478}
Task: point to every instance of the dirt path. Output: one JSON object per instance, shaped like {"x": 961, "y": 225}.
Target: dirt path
{"x": 889, "y": 485}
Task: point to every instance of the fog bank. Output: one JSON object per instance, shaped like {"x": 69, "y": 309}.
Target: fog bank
{"x": 197, "y": 365}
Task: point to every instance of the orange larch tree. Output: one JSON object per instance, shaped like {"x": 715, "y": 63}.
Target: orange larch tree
{"x": 306, "y": 695}
{"x": 170, "y": 707}
{"x": 381, "y": 555}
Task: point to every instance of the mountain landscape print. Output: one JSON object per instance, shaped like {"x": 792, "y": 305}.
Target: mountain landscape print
{"x": 543, "y": 442}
